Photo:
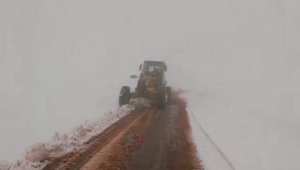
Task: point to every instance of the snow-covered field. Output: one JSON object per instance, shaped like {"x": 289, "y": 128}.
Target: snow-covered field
{"x": 64, "y": 142}
{"x": 252, "y": 136}
{"x": 62, "y": 63}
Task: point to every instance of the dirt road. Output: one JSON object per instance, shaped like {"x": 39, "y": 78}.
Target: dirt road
{"x": 146, "y": 139}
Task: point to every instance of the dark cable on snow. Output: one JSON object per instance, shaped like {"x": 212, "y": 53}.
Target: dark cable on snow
{"x": 213, "y": 143}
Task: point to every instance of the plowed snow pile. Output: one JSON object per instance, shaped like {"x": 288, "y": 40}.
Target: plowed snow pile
{"x": 65, "y": 142}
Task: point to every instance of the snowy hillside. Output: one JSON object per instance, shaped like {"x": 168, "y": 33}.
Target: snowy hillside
{"x": 63, "y": 63}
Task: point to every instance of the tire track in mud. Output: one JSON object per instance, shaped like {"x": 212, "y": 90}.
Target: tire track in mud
{"x": 78, "y": 157}
{"x": 117, "y": 154}
{"x": 147, "y": 138}
{"x": 168, "y": 144}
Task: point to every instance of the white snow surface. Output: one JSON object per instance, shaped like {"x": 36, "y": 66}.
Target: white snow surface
{"x": 251, "y": 135}
{"x": 62, "y": 63}
{"x": 63, "y": 143}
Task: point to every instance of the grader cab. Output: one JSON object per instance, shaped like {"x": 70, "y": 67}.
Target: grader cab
{"x": 151, "y": 85}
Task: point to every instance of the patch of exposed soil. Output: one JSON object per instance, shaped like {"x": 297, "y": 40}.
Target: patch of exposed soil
{"x": 147, "y": 138}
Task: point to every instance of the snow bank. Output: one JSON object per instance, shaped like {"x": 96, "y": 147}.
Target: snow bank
{"x": 65, "y": 142}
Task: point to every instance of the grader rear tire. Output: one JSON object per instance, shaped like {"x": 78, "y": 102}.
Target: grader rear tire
{"x": 162, "y": 99}
{"x": 168, "y": 93}
{"x": 124, "y": 96}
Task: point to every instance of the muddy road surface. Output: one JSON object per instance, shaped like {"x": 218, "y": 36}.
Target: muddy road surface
{"x": 146, "y": 139}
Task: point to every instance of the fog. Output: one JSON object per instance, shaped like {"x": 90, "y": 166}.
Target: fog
{"x": 63, "y": 62}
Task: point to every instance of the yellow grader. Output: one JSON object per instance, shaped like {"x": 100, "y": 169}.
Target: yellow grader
{"x": 151, "y": 85}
